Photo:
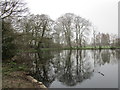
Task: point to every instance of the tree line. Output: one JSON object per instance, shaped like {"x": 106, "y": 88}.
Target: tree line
{"x": 22, "y": 30}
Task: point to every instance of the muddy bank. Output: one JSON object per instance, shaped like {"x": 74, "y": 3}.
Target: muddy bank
{"x": 15, "y": 77}
{"x": 19, "y": 79}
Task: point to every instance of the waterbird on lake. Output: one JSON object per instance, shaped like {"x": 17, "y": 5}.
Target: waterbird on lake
{"x": 99, "y": 73}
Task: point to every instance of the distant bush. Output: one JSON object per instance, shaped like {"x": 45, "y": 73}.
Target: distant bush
{"x": 112, "y": 47}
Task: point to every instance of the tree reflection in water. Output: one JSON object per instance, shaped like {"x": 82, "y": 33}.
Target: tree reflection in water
{"x": 42, "y": 67}
{"x": 69, "y": 67}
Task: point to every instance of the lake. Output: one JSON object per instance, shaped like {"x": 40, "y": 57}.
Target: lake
{"x": 76, "y": 68}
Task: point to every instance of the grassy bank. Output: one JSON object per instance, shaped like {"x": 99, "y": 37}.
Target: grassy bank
{"x": 68, "y": 48}
{"x": 13, "y": 75}
{"x": 80, "y": 48}
{"x": 11, "y": 66}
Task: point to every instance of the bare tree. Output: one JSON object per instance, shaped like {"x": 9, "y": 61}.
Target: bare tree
{"x": 105, "y": 39}
{"x": 113, "y": 39}
{"x": 34, "y": 29}
{"x": 98, "y": 39}
{"x": 57, "y": 35}
{"x": 41, "y": 28}
{"x": 65, "y": 23}
{"x": 24, "y": 28}
{"x": 45, "y": 25}
{"x": 82, "y": 29}
{"x": 10, "y": 8}
{"x": 94, "y": 37}
{"x": 72, "y": 27}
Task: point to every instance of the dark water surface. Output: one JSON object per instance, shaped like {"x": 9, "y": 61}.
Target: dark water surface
{"x": 76, "y": 68}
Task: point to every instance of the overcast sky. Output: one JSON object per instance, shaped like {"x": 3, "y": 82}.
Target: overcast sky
{"x": 102, "y": 13}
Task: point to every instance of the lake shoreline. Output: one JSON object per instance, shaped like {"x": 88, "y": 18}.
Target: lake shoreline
{"x": 67, "y": 48}
{"x": 16, "y": 70}
{"x": 12, "y": 78}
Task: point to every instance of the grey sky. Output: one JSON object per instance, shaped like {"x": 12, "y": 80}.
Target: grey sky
{"x": 102, "y": 13}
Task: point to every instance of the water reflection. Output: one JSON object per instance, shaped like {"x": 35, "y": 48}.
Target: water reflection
{"x": 42, "y": 67}
{"x": 70, "y": 67}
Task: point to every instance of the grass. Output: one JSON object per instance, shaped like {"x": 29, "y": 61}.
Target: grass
{"x": 80, "y": 48}
{"x": 12, "y": 66}
{"x": 68, "y": 48}
{"x": 13, "y": 76}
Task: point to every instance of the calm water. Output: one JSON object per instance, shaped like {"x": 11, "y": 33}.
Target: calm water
{"x": 76, "y": 68}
